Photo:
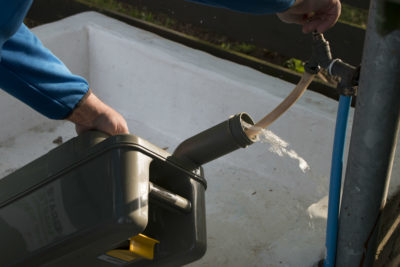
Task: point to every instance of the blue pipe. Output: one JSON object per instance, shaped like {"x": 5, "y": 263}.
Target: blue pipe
{"x": 336, "y": 180}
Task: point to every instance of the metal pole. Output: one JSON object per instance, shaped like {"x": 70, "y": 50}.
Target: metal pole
{"x": 373, "y": 141}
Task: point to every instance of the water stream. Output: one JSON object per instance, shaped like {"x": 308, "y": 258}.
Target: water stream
{"x": 278, "y": 146}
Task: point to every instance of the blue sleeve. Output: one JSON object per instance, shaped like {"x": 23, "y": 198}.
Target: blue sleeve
{"x": 250, "y": 6}
{"x": 31, "y": 73}
{"x": 12, "y": 14}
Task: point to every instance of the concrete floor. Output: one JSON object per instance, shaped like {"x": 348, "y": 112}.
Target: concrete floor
{"x": 263, "y": 208}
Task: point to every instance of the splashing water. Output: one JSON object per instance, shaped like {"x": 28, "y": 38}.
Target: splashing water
{"x": 278, "y": 146}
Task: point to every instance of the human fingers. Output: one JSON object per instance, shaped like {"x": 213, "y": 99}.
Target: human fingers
{"x": 93, "y": 114}
{"x": 111, "y": 122}
{"x": 323, "y": 19}
{"x": 289, "y": 17}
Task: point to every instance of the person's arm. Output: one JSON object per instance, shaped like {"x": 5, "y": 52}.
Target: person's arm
{"x": 12, "y": 14}
{"x": 31, "y": 73}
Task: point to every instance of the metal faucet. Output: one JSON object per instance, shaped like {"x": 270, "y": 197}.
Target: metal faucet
{"x": 321, "y": 57}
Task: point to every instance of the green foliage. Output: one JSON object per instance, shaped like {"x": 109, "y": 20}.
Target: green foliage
{"x": 226, "y": 46}
{"x": 239, "y": 47}
{"x": 294, "y": 64}
{"x": 245, "y": 48}
{"x": 354, "y": 16}
{"x": 169, "y": 22}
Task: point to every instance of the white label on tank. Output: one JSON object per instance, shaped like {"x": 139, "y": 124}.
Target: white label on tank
{"x": 39, "y": 218}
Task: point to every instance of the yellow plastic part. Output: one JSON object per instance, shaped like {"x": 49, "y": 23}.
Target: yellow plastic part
{"x": 140, "y": 246}
{"x": 143, "y": 246}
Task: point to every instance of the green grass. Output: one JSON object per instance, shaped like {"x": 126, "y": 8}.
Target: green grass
{"x": 239, "y": 47}
{"x": 294, "y": 64}
{"x": 244, "y": 48}
{"x": 354, "y": 16}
